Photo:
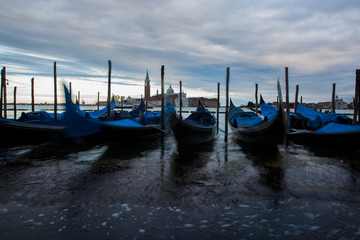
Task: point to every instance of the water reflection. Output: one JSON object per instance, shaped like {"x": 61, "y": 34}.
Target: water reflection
{"x": 186, "y": 177}
{"x": 190, "y": 156}
{"x": 268, "y": 161}
{"x": 349, "y": 154}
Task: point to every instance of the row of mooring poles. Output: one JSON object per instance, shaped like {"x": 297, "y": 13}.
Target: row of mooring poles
{"x": 3, "y": 98}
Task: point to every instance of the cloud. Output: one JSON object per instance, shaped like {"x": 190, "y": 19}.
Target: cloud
{"x": 195, "y": 40}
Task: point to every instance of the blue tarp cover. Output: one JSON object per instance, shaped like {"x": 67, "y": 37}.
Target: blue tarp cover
{"x": 6, "y": 120}
{"x": 97, "y": 114}
{"x": 201, "y": 116}
{"x": 41, "y": 116}
{"x": 136, "y": 112}
{"x": 296, "y": 121}
{"x": 77, "y": 125}
{"x": 155, "y": 118}
{"x": 339, "y": 128}
{"x": 123, "y": 123}
{"x": 267, "y": 110}
{"x": 243, "y": 119}
{"x": 319, "y": 119}
{"x": 152, "y": 118}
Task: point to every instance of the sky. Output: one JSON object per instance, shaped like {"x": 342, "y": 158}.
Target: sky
{"x": 195, "y": 40}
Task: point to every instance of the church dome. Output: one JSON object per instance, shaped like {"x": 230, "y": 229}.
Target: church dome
{"x": 170, "y": 90}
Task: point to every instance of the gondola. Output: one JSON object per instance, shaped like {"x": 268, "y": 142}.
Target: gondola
{"x": 123, "y": 130}
{"x": 249, "y": 127}
{"x": 198, "y": 128}
{"x": 315, "y": 119}
{"x": 40, "y": 126}
{"x": 15, "y": 132}
{"x": 323, "y": 129}
{"x": 336, "y": 135}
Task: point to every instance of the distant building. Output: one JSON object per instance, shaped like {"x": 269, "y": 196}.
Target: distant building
{"x": 155, "y": 100}
{"x": 173, "y": 97}
{"x": 340, "y": 104}
{"x": 147, "y": 86}
{"x": 207, "y": 102}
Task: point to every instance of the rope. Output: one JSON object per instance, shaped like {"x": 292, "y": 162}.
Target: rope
{"x": 220, "y": 130}
{"x": 164, "y": 133}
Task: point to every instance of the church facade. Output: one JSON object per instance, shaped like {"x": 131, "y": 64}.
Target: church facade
{"x": 174, "y": 98}
{"x": 155, "y": 100}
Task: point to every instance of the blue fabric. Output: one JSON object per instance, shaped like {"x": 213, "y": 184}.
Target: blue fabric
{"x": 155, "y": 118}
{"x": 318, "y": 119}
{"x": 123, "y": 123}
{"x": 151, "y": 118}
{"x": 41, "y": 116}
{"x": 97, "y": 114}
{"x": 338, "y": 128}
{"x": 268, "y": 111}
{"x": 76, "y": 124}
{"x": 136, "y": 112}
{"x": 296, "y": 121}
{"x": 202, "y": 116}
{"x": 6, "y": 120}
{"x": 238, "y": 117}
{"x": 169, "y": 110}
{"x": 59, "y": 116}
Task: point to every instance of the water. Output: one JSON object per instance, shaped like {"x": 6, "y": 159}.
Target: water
{"x": 162, "y": 191}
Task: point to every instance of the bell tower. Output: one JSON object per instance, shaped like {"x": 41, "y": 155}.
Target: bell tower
{"x": 147, "y": 86}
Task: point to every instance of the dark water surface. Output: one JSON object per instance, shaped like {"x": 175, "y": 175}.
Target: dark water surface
{"x": 163, "y": 191}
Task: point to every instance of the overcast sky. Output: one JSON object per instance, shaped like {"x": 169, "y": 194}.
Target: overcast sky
{"x": 195, "y": 40}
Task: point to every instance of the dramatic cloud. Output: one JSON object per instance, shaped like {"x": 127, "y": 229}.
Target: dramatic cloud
{"x": 195, "y": 40}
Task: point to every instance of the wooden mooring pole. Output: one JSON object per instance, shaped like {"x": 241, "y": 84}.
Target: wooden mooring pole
{"x": 333, "y": 99}
{"x": 109, "y": 92}
{"x": 256, "y": 99}
{"x": 296, "y": 97}
{"x": 218, "y": 107}
{"x": 287, "y": 97}
{"x": 70, "y": 90}
{"x": 357, "y": 96}
{"x": 2, "y": 92}
{"x": 55, "y": 93}
{"x": 227, "y": 104}
{"x": 15, "y": 103}
{"x": 180, "y": 110}
{"x": 98, "y": 101}
{"x": 162, "y": 98}
{"x": 32, "y": 95}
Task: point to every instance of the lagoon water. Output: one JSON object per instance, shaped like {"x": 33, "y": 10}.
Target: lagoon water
{"x": 160, "y": 190}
